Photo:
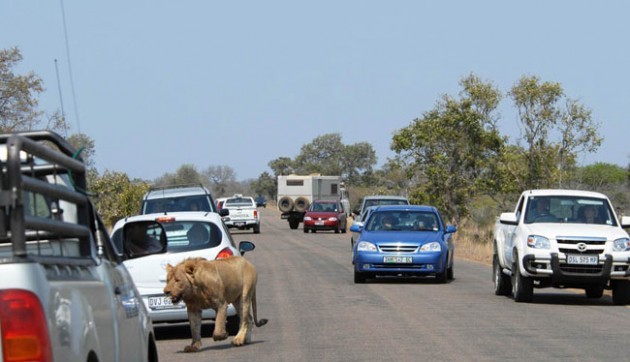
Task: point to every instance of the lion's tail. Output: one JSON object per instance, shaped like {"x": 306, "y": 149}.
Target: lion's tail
{"x": 259, "y": 323}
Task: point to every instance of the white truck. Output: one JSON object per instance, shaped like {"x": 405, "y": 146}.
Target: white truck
{"x": 65, "y": 294}
{"x": 296, "y": 193}
{"x": 243, "y": 213}
{"x": 562, "y": 239}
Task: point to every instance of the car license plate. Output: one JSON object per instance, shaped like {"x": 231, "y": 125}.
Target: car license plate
{"x": 162, "y": 302}
{"x": 398, "y": 259}
{"x": 319, "y": 223}
{"x": 582, "y": 259}
{"x": 239, "y": 223}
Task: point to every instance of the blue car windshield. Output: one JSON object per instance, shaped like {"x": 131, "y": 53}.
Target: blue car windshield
{"x": 403, "y": 221}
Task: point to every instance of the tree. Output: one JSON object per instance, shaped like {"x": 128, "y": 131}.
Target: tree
{"x": 186, "y": 174}
{"x": 540, "y": 115}
{"x": 449, "y": 149}
{"x": 601, "y": 174}
{"x": 282, "y": 166}
{"x": 221, "y": 179}
{"x": 265, "y": 185}
{"x": 115, "y": 196}
{"x": 18, "y": 99}
{"x": 85, "y": 146}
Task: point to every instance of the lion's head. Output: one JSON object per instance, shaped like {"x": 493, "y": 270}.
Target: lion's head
{"x": 179, "y": 279}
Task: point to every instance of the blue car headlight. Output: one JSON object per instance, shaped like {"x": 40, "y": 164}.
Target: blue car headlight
{"x": 538, "y": 242}
{"x": 431, "y": 247}
{"x": 622, "y": 244}
{"x": 366, "y": 246}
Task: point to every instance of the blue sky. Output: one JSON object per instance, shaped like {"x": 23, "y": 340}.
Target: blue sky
{"x": 159, "y": 84}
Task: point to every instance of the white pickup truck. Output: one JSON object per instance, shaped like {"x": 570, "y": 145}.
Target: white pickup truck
{"x": 562, "y": 239}
{"x": 243, "y": 213}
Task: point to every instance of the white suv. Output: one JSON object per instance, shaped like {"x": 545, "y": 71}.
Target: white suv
{"x": 178, "y": 198}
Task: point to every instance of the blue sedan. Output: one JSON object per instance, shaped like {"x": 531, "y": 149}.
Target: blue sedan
{"x": 401, "y": 241}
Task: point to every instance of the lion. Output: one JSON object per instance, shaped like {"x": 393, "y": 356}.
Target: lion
{"x": 204, "y": 284}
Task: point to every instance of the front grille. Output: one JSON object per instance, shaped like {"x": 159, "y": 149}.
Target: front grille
{"x": 398, "y": 248}
{"x": 585, "y": 252}
{"x": 581, "y": 269}
{"x": 577, "y": 240}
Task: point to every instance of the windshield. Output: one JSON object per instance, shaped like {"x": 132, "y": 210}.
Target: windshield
{"x": 569, "y": 209}
{"x": 403, "y": 221}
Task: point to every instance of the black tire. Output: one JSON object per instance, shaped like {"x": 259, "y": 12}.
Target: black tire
{"x": 233, "y": 324}
{"x": 450, "y": 275}
{"x": 305, "y": 231}
{"x": 502, "y": 282}
{"x": 293, "y": 224}
{"x": 442, "y": 277}
{"x": 620, "y": 292}
{"x": 256, "y": 229}
{"x": 594, "y": 292}
{"x": 285, "y": 204}
{"x": 522, "y": 287}
{"x": 359, "y": 278}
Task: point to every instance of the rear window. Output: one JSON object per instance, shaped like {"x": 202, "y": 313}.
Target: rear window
{"x": 380, "y": 202}
{"x": 174, "y": 204}
{"x": 239, "y": 201}
{"x": 185, "y": 235}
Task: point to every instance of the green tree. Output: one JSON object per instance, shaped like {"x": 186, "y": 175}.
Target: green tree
{"x": 186, "y": 174}
{"x": 542, "y": 115}
{"x": 115, "y": 196}
{"x": 282, "y": 166}
{"x": 18, "y": 99}
{"x": 602, "y": 174}
{"x": 85, "y": 146}
{"x": 449, "y": 149}
{"x": 265, "y": 185}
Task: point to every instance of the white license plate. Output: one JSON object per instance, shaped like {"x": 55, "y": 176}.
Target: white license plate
{"x": 239, "y": 223}
{"x": 397, "y": 259}
{"x": 582, "y": 259}
{"x": 162, "y": 302}
{"x": 319, "y": 223}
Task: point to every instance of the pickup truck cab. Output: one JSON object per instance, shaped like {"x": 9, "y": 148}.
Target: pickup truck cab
{"x": 243, "y": 213}
{"x": 562, "y": 239}
{"x": 65, "y": 294}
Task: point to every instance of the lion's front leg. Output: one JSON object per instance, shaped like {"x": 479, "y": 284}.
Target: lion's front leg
{"x": 194, "y": 317}
{"x": 220, "y": 333}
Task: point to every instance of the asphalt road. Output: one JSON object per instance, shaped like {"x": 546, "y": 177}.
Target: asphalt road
{"x": 317, "y": 313}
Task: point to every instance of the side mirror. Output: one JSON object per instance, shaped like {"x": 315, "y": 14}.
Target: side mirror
{"x": 142, "y": 238}
{"x": 508, "y": 218}
{"x": 357, "y": 227}
{"x": 245, "y": 246}
{"x": 625, "y": 222}
{"x": 451, "y": 228}
{"x": 224, "y": 212}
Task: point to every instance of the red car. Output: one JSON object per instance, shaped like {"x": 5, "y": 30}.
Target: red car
{"x": 325, "y": 215}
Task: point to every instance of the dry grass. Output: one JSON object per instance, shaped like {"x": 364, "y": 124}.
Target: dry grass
{"x": 474, "y": 242}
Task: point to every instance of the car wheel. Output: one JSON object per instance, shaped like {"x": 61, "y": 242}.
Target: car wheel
{"x": 294, "y": 224}
{"x": 502, "y": 282}
{"x": 442, "y": 277}
{"x": 620, "y": 291}
{"x": 359, "y": 278}
{"x": 450, "y": 275}
{"x": 256, "y": 229}
{"x": 522, "y": 287}
{"x": 305, "y": 231}
{"x": 594, "y": 292}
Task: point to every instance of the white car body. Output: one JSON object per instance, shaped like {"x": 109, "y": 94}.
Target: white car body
{"x": 559, "y": 249}
{"x": 149, "y": 272}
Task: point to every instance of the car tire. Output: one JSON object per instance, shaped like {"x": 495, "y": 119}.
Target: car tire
{"x": 256, "y": 229}
{"x": 285, "y": 204}
{"x": 442, "y": 277}
{"x": 305, "y": 231}
{"x": 301, "y": 204}
{"x": 450, "y": 275}
{"x": 522, "y": 287}
{"x": 233, "y": 325}
{"x": 620, "y": 291}
{"x": 359, "y": 278}
{"x": 502, "y": 282}
{"x": 294, "y": 224}
{"x": 594, "y": 292}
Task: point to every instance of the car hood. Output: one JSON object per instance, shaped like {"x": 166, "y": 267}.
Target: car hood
{"x": 406, "y": 237}
{"x": 564, "y": 230}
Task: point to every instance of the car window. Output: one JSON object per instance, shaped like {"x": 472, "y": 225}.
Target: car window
{"x": 192, "y": 235}
{"x": 239, "y": 201}
{"x": 174, "y": 204}
{"x": 379, "y": 202}
{"x": 403, "y": 221}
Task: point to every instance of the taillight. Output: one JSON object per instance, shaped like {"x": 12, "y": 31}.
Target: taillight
{"x": 23, "y": 325}
{"x": 255, "y": 214}
{"x": 225, "y": 253}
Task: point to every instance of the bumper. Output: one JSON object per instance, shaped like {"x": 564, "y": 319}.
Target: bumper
{"x": 321, "y": 225}
{"x": 556, "y": 268}
{"x": 241, "y": 224}
{"x": 178, "y": 313}
{"x": 421, "y": 264}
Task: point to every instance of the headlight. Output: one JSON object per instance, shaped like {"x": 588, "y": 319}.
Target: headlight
{"x": 307, "y": 218}
{"x": 429, "y": 247}
{"x": 622, "y": 244}
{"x": 332, "y": 219}
{"x": 365, "y": 246}
{"x": 538, "y": 242}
